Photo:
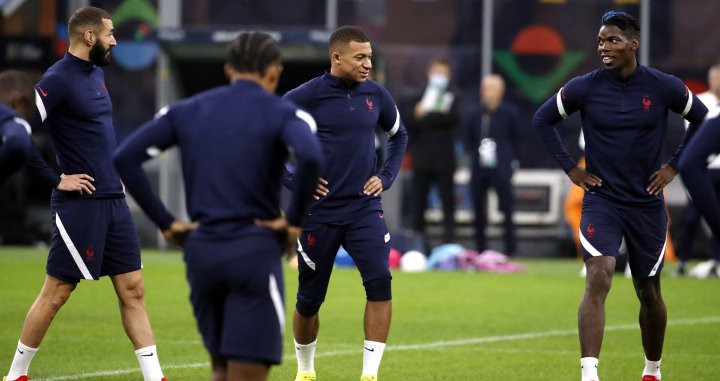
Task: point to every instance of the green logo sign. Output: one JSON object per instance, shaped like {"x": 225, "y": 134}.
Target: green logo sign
{"x": 538, "y": 40}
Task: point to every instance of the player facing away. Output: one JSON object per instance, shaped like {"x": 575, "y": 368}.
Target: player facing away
{"x": 624, "y": 109}
{"x": 234, "y": 141}
{"x": 347, "y": 107}
{"x": 17, "y": 103}
{"x": 93, "y": 232}
{"x": 693, "y": 167}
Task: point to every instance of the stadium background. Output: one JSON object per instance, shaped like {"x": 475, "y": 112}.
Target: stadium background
{"x": 169, "y": 49}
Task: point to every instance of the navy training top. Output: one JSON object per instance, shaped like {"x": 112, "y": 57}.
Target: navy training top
{"x": 73, "y": 103}
{"x": 624, "y": 121}
{"x": 234, "y": 141}
{"x": 346, "y": 114}
{"x": 14, "y": 141}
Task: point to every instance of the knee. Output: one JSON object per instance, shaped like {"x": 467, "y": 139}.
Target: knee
{"x": 378, "y": 290}
{"x": 60, "y": 296}
{"x": 133, "y": 292}
{"x": 598, "y": 282}
{"x": 648, "y": 296}
{"x": 308, "y": 306}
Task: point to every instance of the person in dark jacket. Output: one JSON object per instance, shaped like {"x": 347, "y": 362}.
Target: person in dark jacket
{"x": 491, "y": 132}
{"x": 432, "y": 139}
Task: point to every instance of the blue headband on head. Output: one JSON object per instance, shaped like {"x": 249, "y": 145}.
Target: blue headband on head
{"x": 612, "y": 14}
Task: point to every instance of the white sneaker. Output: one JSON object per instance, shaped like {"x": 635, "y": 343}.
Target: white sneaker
{"x": 704, "y": 270}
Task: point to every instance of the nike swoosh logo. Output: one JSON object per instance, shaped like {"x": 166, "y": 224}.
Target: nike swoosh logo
{"x": 369, "y": 349}
{"x": 42, "y": 92}
{"x": 150, "y": 355}
{"x": 21, "y": 352}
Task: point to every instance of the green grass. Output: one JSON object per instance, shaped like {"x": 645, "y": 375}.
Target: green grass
{"x": 446, "y": 326}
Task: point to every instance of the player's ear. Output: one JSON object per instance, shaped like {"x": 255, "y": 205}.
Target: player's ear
{"x": 229, "y": 71}
{"x": 335, "y": 57}
{"x": 272, "y": 75}
{"x": 89, "y": 37}
{"x": 634, "y": 43}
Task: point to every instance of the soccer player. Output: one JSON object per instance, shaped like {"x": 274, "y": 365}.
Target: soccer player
{"x": 16, "y": 106}
{"x": 93, "y": 232}
{"x": 347, "y": 106}
{"x": 696, "y": 176}
{"x": 234, "y": 142}
{"x": 624, "y": 110}
{"x": 711, "y": 99}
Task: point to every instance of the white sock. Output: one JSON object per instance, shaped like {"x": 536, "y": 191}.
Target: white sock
{"x": 588, "y": 367}
{"x": 149, "y": 363}
{"x": 372, "y": 354}
{"x": 305, "y": 354}
{"x": 652, "y": 368}
{"x": 21, "y": 361}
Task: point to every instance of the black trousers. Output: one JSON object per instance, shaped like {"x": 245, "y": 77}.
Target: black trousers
{"x": 500, "y": 180}
{"x": 421, "y": 182}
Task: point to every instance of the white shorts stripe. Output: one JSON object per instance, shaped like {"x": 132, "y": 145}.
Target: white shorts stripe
{"x": 560, "y": 106}
{"x": 589, "y": 247}
{"x": 689, "y": 103}
{"x": 660, "y": 259}
{"x": 277, "y": 302}
{"x": 396, "y": 126}
{"x": 40, "y": 106}
{"x": 72, "y": 249}
{"x": 305, "y": 257}
{"x": 307, "y": 118}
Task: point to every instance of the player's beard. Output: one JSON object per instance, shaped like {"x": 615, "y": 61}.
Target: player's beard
{"x": 99, "y": 55}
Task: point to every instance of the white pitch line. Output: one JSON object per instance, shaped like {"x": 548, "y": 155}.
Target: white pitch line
{"x": 405, "y": 347}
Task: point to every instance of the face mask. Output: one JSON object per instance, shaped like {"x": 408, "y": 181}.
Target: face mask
{"x": 438, "y": 81}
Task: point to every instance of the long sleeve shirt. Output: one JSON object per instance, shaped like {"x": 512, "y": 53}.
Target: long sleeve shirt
{"x": 346, "y": 115}
{"x": 74, "y": 105}
{"x": 624, "y": 122}
{"x": 234, "y": 141}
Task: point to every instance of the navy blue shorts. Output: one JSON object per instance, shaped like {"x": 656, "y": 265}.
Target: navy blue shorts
{"x": 604, "y": 224}
{"x": 366, "y": 240}
{"x": 92, "y": 238}
{"x": 236, "y": 290}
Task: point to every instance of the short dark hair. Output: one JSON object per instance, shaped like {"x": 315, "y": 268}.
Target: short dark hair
{"x": 87, "y": 18}
{"x": 439, "y": 60}
{"x": 345, "y": 34}
{"x": 14, "y": 82}
{"x": 627, "y": 23}
{"x": 253, "y": 52}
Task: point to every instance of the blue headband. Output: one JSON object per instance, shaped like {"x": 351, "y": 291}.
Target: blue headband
{"x": 612, "y": 14}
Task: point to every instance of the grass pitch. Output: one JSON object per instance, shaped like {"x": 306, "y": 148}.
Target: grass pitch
{"x": 446, "y": 326}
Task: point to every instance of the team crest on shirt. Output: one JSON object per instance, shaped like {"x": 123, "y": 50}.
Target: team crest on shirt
{"x": 102, "y": 84}
{"x": 646, "y": 103}
{"x": 310, "y": 240}
{"x": 89, "y": 254}
{"x": 369, "y": 104}
{"x": 590, "y": 230}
